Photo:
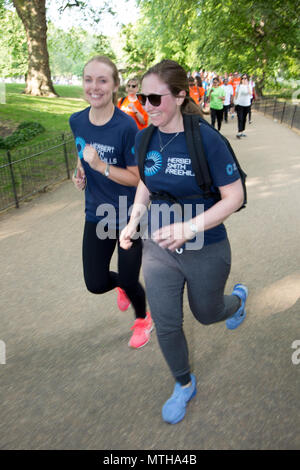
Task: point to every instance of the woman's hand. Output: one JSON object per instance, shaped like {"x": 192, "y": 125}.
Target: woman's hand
{"x": 90, "y": 155}
{"x": 173, "y": 236}
{"x": 132, "y": 108}
{"x": 126, "y": 236}
{"x": 79, "y": 178}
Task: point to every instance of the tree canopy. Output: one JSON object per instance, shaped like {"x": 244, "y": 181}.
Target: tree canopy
{"x": 256, "y": 36}
{"x": 32, "y": 14}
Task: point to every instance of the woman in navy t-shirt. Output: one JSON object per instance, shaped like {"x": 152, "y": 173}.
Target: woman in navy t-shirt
{"x": 184, "y": 248}
{"x": 107, "y": 171}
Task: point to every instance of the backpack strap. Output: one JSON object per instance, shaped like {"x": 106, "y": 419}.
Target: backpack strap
{"x": 196, "y": 151}
{"x": 142, "y": 150}
{"x": 242, "y": 174}
{"x": 121, "y": 100}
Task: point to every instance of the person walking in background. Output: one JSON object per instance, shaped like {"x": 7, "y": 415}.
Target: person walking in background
{"x": 235, "y": 81}
{"x": 216, "y": 97}
{"x": 200, "y": 90}
{"x": 193, "y": 90}
{"x": 228, "y": 98}
{"x": 131, "y": 105}
{"x": 107, "y": 170}
{"x": 243, "y": 97}
{"x": 254, "y": 97}
{"x": 168, "y": 264}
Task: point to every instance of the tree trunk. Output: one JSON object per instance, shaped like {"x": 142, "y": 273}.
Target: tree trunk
{"x": 33, "y": 16}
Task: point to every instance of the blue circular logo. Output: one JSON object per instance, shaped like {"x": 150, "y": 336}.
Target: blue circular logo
{"x": 153, "y": 163}
{"x": 80, "y": 144}
{"x": 229, "y": 169}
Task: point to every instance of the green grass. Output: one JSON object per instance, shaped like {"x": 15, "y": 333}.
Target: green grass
{"x": 283, "y": 91}
{"x": 52, "y": 113}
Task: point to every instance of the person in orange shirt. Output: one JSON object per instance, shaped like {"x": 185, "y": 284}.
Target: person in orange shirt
{"x": 235, "y": 81}
{"x": 196, "y": 90}
{"x": 131, "y": 105}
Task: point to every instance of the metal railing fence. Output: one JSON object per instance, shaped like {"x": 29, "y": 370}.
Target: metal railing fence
{"x": 282, "y": 111}
{"x": 30, "y": 170}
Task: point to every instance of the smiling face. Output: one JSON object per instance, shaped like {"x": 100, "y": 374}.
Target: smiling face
{"x": 167, "y": 115}
{"x": 98, "y": 84}
{"x": 132, "y": 87}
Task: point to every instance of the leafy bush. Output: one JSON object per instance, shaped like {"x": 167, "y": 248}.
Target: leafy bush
{"x": 25, "y": 131}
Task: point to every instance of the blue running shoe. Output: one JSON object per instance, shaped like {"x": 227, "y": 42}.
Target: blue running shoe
{"x": 174, "y": 409}
{"x": 239, "y": 316}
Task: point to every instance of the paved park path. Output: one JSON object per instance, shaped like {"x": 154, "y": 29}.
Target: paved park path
{"x": 71, "y": 382}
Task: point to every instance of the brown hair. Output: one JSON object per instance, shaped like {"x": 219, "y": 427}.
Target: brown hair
{"x": 115, "y": 74}
{"x": 175, "y": 77}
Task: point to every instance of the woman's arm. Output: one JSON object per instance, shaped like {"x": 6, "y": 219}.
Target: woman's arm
{"x": 174, "y": 236}
{"x": 78, "y": 177}
{"x": 128, "y": 176}
{"x": 138, "y": 113}
{"x": 139, "y": 208}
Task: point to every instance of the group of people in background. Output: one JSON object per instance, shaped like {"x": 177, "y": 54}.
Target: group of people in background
{"x": 230, "y": 94}
{"x": 224, "y": 96}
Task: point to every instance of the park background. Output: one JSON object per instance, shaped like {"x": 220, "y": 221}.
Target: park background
{"x": 44, "y": 45}
{"x": 67, "y": 383}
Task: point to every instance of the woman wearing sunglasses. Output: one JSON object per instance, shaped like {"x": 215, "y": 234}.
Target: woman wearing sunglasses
{"x": 242, "y": 100}
{"x": 170, "y": 259}
{"x": 216, "y": 98}
{"x": 107, "y": 170}
{"x": 131, "y": 105}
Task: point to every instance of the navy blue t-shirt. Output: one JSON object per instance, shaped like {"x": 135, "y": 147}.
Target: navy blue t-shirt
{"x": 114, "y": 142}
{"x": 171, "y": 171}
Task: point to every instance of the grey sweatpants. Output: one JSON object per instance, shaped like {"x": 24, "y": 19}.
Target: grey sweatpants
{"x": 205, "y": 273}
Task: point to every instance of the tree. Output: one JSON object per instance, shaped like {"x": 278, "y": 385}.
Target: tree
{"x": 165, "y": 29}
{"x": 33, "y": 16}
{"x": 70, "y": 50}
{"x": 255, "y": 36}
{"x": 13, "y": 45}
{"x": 139, "y": 48}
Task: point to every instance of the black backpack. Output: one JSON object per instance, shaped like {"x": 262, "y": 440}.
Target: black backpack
{"x": 191, "y": 123}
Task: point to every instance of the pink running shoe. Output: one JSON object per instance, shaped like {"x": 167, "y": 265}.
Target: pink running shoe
{"x": 141, "y": 331}
{"x": 122, "y": 300}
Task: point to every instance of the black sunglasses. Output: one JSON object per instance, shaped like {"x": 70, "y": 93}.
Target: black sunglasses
{"x": 132, "y": 86}
{"x": 154, "y": 100}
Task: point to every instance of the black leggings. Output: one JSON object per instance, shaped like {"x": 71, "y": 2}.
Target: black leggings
{"x": 242, "y": 112}
{"x": 216, "y": 113}
{"x": 97, "y": 254}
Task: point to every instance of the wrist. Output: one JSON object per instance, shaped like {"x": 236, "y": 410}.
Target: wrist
{"x": 190, "y": 230}
{"x": 107, "y": 170}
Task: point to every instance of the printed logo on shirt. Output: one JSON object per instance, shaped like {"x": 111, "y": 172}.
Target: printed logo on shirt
{"x": 153, "y": 163}
{"x": 230, "y": 168}
{"x": 80, "y": 144}
{"x": 179, "y": 166}
{"x": 105, "y": 152}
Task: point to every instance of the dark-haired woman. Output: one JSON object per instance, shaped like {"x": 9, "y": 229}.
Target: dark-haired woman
{"x": 193, "y": 250}
{"x": 216, "y": 98}
{"x": 107, "y": 170}
{"x": 243, "y": 96}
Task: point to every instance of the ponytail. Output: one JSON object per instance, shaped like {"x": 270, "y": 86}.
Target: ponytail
{"x": 190, "y": 107}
